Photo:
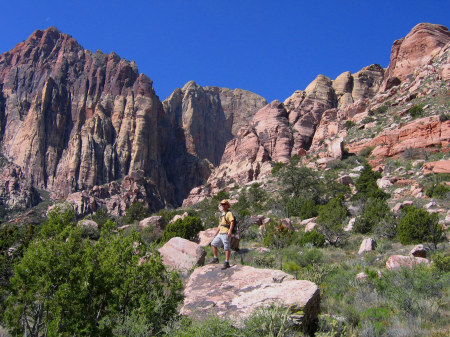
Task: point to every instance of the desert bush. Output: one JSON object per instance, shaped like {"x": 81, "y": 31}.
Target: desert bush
{"x": 374, "y": 210}
{"x": 331, "y": 220}
{"x": 367, "y": 120}
{"x": 443, "y": 117}
{"x": 418, "y": 226}
{"x": 366, "y": 184}
{"x": 68, "y": 286}
{"x": 276, "y": 236}
{"x": 349, "y": 124}
{"x": 313, "y": 237}
{"x": 441, "y": 261}
{"x": 135, "y": 212}
{"x": 101, "y": 217}
{"x": 264, "y": 322}
{"x": 416, "y": 111}
{"x": 365, "y": 152}
{"x": 187, "y": 229}
{"x": 438, "y": 191}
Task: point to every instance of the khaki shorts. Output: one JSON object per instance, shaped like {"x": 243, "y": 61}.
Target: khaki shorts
{"x": 222, "y": 240}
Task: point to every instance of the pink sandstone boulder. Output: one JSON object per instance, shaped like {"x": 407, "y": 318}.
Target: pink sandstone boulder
{"x": 367, "y": 245}
{"x": 237, "y": 292}
{"x": 399, "y": 261}
{"x": 205, "y": 237}
{"x": 441, "y": 166}
{"x": 310, "y": 226}
{"x": 178, "y": 217}
{"x": 182, "y": 254}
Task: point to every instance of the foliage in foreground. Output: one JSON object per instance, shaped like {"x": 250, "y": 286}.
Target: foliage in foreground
{"x": 67, "y": 285}
{"x": 187, "y": 228}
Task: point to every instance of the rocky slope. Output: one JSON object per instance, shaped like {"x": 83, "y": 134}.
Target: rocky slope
{"x": 312, "y": 123}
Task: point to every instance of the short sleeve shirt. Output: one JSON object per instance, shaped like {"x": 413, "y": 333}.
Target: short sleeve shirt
{"x": 225, "y": 219}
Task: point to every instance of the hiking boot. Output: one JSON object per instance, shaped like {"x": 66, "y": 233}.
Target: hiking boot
{"x": 226, "y": 265}
{"x": 215, "y": 260}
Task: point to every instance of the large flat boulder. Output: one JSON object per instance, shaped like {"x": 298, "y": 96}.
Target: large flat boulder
{"x": 182, "y": 254}
{"x": 400, "y": 261}
{"x": 240, "y": 290}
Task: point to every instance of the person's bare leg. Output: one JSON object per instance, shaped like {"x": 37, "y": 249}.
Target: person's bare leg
{"x": 214, "y": 248}
{"x": 227, "y": 255}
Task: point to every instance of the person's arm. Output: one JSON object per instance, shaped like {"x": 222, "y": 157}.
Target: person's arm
{"x": 217, "y": 231}
{"x": 230, "y": 231}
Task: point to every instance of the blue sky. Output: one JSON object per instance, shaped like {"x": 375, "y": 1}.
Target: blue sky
{"x": 269, "y": 47}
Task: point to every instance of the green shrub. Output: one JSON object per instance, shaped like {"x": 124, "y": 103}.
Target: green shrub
{"x": 277, "y": 167}
{"x": 365, "y": 152}
{"x": 442, "y": 262}
{"x": 276, "y": 236}
{"x": 135, "y": 212}
{"x": 366, "y": 184}
{"x": 374, "y": 210}
{"x": 419, "y": 226}
{"x": 101, "y": 217}
{"x": 438, "y": 191}
{"x": 331, "y": 220}
{"x": 416, "y": 111}
{"x": 367, "y": 120}
{"x": 72, "y": 287}
{"x": 187, "y": 229}
{"x": 443, "y": 117}
{"x": 313, "y": 237}
{"x": 349, "y": 124}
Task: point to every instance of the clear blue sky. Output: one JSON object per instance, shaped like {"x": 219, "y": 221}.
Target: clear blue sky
{"x": 269, "y": 47}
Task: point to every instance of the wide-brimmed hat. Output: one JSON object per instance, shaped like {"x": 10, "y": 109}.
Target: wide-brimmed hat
{"x": 225, "y": 202}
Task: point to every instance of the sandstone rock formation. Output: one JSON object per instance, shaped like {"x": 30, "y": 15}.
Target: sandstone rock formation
{"x": 182, "y": 254}
{"x": 237, "y": 292}
{"x": 414, "y": 50}
{"x": 16, "y": 191}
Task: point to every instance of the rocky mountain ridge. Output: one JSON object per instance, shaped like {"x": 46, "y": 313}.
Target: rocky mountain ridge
{"x": 312, "y": 123}
{"x": 74, "y": 121}
{"x": 90, "y": 128}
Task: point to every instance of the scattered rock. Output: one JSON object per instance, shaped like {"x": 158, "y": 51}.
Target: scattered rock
{"x": 399, "y": 206}
{"x": 419, "y": 251}
{"x": 383, "y": 183}
{"x": 182, "y": 254}
{"x": 430, "y": 204}
{"x": 399, "y": 261}
{"x": 178, "y": 217}
{"x": 307, "y": 221}
{"x": 367, "y": 245}
{"x": 441, "y": 166}
{"x": 236, "y": 292}
{"x": 310, "y": 226}
{"x": 157, "y": 222}
{"x": 345, "y": 180}
{"x": 350, "y": 225}
{"x": 205, "y": 237}
{"x": 262, "y": 250}
{"x": 90, "y": 229}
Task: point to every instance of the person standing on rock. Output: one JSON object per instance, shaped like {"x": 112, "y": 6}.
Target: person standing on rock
{"x": 222, "y": 236}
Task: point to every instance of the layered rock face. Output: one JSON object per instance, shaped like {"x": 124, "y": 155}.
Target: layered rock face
{"x": 414, "y": 50}
{"x": 210, "y": 116}
{"x": 16, "y": 192}
{"x": 72, "y": 119}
